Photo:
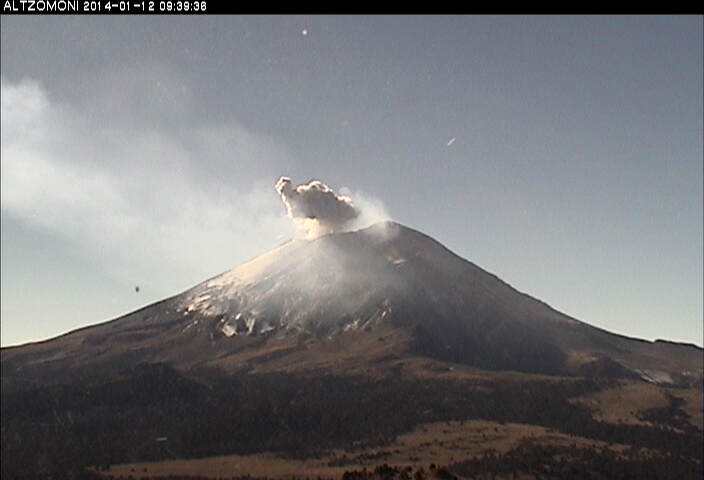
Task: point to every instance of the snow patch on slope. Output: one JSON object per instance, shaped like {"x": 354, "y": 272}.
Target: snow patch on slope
{"x": 655, "y": 376}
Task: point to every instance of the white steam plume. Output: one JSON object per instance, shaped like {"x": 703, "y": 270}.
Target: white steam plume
{"x": 315, "y": 208}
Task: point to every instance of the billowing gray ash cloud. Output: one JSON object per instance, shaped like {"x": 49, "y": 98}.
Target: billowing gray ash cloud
{"x": 315, "y": 208}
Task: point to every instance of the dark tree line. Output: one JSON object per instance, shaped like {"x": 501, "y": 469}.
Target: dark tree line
{"x": 579, "y": 463}
{"x": 156, "y": 413}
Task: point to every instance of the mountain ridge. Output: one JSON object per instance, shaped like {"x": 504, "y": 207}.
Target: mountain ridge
{"x": 306, "y": 293}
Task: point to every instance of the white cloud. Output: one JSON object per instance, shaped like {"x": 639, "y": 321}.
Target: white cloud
{"x": 167, "y": 206}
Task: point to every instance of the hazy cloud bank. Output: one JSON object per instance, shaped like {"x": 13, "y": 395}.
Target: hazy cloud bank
{"x": 150, "y": 205}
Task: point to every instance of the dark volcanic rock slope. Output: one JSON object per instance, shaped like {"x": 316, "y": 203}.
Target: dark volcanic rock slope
{"x": 338, "y": 288}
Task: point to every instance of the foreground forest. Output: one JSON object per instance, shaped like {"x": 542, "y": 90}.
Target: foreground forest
{"x": 155, "y": 413}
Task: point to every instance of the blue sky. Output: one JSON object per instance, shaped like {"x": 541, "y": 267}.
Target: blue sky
{"x": 143, "y": 151}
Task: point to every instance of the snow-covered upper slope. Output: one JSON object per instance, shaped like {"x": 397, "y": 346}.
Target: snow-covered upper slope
{"x": 342, "y": 280}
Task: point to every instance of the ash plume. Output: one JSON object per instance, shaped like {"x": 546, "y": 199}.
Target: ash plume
{"x": 315, "y": 208}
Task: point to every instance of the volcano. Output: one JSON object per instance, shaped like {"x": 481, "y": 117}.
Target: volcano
{"x": 332, "y": 355}
{"x": 346, "y": 301}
